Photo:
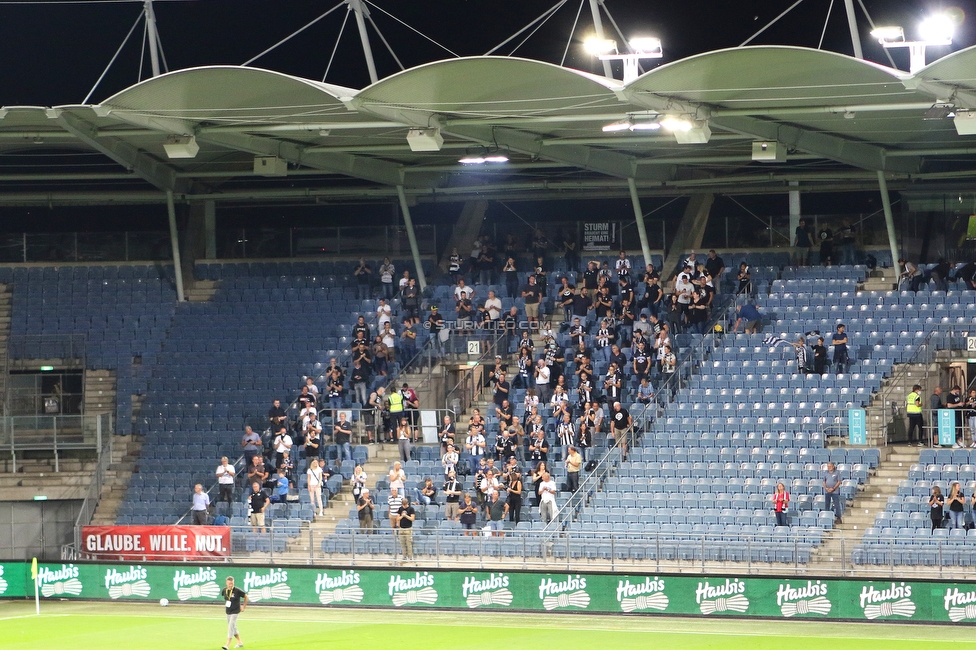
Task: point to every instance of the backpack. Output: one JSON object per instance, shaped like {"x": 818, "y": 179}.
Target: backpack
{"x": 220, "y": 520}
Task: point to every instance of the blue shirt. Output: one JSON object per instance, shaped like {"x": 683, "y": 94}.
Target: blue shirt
{"x": 283, "y": 486}
{"x": 839, "y": 337}
{"x": 749, "y": 312}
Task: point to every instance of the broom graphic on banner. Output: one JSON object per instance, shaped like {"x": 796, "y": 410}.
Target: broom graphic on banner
{"x": 139, "y": 588}
{"x": 579, "y": 599}
{"x": 501, "y": 597}
{"x": 70, "y": 587}
{"x": 656, "y": 601}
{"x": 904, "y": 608}
{"x": 818, "y": 605}
{"x": 206, "y": 590}
{"x": 277, "y": 592}
{"x": 352, "y": 594}
{"x": 425, "y": 596}
{"x": 957, "y": 614}
{"x": 732, "y": 604}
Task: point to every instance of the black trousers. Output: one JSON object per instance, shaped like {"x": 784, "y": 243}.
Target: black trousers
{"x": 515, "y": 508}
{"x": 915, "y": 423}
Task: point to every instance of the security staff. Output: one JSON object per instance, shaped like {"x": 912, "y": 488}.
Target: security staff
{"x": 396, "y": 409}
{"x": 913, "y": 406}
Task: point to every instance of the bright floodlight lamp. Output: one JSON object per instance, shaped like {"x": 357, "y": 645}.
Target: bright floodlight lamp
{"x": 425, "y": 139}
{"x": 600, "y": 46}
{"x": 687, "y": 130}
{"x": 644, "y": 47}
{"x": 482, "y": 156}
{"x": 617, "y": 126}
{"x": 677, "y": 124}
{"x": 181, "y": 146}
{"x": 936, "y": 31}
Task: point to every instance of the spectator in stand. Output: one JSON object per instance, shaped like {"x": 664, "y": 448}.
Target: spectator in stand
{"x": 387, "y": 272}
{"x": 497, "y": 510}
{"x": 547, "y": 498}
{"x": 428, "y": 493}
{"x": 313, "y": 479}
{"x": 486, "y": 264}
{"x": 622, "y": 266}
{"x": 566, "y": 433}
{"x": 288, "y": 467}
{"x": 936, "y": 504}
{"x": 645, "y": 392}
{"x": 819, "y": 357}
{"x": 957, "y": 506}
{"x": 306, "y": 399}
{"x": 511, "y": 278}
{"x": 389, "y": 337}
{"x": 800, "y": 349}
{"x": 310, "y": 424}
{"x": 381, "y": 355}
{"x": 514, "y": 488}
{"x": 408, "y": 341}
{"x": 745, "y": 280}
{"x": 468, "y": 515}
{"x": 256, "y": 471}
{"x": 605, "y": 338}
{"x": 502, "y": 388}
{"x": 538, "y": 446}
{"x": 935, "y": 405}
{"x": 342, "y": 435}
{"x": 838, "y": 340}
{"x": 393, "y": 505}
{"x": 403, "y": 283}
{"x": 488, "y": 484}
{"x": 277, "y": 415}
{"x": 452, "y": 496}
{"x": 449, "y": 460}
{"x": 542, "y": 378}
{"x": 454, "y": 265}
{"x": 573, "y": 464}
{"x": 803, "y": 241}
{"x": 954, "y": 401}
{"x": 447, "y": 434}
{"x": 404, "y": 438}
{"x": 565, "y": 297}
{"x": 532, "y": 294}
{"x": 584, "y": 439}
{"x": 201, "y": 505}
{"x": 622, "y": 425}
{"x": 257, "y": 503}
{"x": 505, "y": 414}
{"x": 251, "y": 443}
{"x": 971, "y": 416}
{"x": 715, "y": 266}
{"x": 282, "y": 444}
{"x": 410, "y": 301}
{"x": 435, "y": 323}
{"x": 377, "y": 412}
{"x": 749, "y": 316}
{"x": 493, "y": 305}
{"x": 363, "y": 274}
{"x": 364, "y": 509}
{"x": 832, "y": 485}
{"x": 313, "y": 442}
{"x": 910, "y": 278}
{"x": 226, "y": 477}
{"x": 475, "y": 444}
{"x": 781, "y": 502}
{"x": 335, "y": 390}
{"x": 358, "y": 377}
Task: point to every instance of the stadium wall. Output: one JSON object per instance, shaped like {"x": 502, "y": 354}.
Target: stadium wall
{"x": 605, "y": 593}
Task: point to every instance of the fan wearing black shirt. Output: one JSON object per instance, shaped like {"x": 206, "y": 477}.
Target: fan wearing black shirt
{"x": 235, "y": 602}
{"x": 622, "y": 423}
{"x": 590, "y": 276}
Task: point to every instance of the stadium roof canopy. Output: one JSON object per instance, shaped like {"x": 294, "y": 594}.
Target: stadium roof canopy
{"x": 840, "y": 119}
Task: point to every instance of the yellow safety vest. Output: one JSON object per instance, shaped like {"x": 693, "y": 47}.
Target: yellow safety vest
{"x": 396, "y": 402}
{"x": 914, "y": 403}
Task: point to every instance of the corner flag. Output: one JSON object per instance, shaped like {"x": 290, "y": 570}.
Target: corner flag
{"x": 37, "y": 595}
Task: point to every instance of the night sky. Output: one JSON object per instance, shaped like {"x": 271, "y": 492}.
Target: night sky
{"x": 55, "y": 51}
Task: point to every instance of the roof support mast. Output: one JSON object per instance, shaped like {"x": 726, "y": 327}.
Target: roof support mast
{"x": 852, "y": 25}
{"x": 153, "y": 37}
{"x": 598, "y": 27}
{"x": 361, "y": 14}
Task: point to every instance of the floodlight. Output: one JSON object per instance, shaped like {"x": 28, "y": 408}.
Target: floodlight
{"x": 617, "y": 126}
{"x": 888, "y": 34}
{"x": 677, "y": 124}
{"x": 645, "y": 45}
{"x": 181, "y": 146}
{"x": 697, "y": 133}
{"x": 645, "y": 126}
{"x": 937, "y": 28}
{"x": 599, "y": 46}
{"x": 472, "y": 160}
{"x": 496, "y": 159}
{"x": 425, "y": 139}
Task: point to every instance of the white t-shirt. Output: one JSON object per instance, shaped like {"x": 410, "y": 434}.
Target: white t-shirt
{"x": 397, "y": 479}
{"x": 389, "y": 338}
{"x": 494, "y": 308}
{"x": 477, "y": 444}
{"x": 225, "y": 475}
{"x": 543, "y": 377}
{"x": 547, "y": 497}
{"x": 383, "y": 315}
{"x": 314, "y": 477}
{"x": 283, "y": 443}
{"x": 463, "y": 292}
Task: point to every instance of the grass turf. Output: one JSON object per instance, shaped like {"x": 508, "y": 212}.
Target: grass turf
{"x": 197, "y": 627}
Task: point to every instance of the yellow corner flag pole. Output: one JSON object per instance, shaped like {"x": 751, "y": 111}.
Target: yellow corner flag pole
{"x": 37, "y": 594}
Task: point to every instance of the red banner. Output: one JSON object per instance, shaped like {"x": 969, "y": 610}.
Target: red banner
{"x": 155, "y": 542}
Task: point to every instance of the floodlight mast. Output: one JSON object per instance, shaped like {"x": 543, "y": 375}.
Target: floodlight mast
{"x": 598, "y": 28}
{"x": 936, "y": 32}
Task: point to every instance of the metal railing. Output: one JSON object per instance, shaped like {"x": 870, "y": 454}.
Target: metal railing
{"x": 465, "y": 392}
{"x": 239, "y": 468}
{"x": 94, "y": 494}
{"x": 588, "y": 487}
{"x": 902, "y": 377}
{"x": 85, "y": 247}
{"x": 54, "y": 433}
{"x": 373, "y": 241}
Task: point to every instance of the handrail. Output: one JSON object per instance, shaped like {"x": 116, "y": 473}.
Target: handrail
{"x": 240, "y": 468}
{"x": 94, "y": 494}
{"x": 587, "y": 487}
{"x": 487, "y": 354}
{"x": 902, "y": 371}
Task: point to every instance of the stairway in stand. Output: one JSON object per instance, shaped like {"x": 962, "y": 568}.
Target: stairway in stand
{"x": 125, "y": 456}
{"x": 834, "y": 554}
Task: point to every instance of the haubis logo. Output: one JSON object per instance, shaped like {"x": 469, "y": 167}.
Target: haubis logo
{"x": 570, "y": 592}
{"x": 198, "y": 584}
{"x": 341, "y": 588}
{"x": 960, "y": 605}
{"x": 415, "y": 590}
{"x": 60, "y": 582}
{"x": 483, "y": 593}
{"x": 642, "y": 595}
{"x": 810, "y": 598}
{"x": 128, "y": 583}
{"x": 268, "y": 585}
{"x": 728, "y": 597}
{"x": 893, "y": 601}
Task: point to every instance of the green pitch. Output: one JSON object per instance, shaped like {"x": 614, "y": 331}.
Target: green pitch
{"x": 115, "y": 626}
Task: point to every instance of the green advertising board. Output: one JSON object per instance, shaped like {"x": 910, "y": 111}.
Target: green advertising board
{"x": 714, "y": 596}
